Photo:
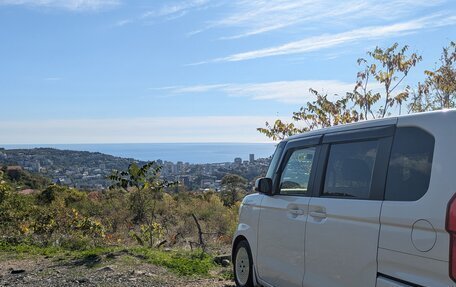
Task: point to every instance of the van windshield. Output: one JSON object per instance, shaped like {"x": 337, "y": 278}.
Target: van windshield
{"x": 275, "y": 159}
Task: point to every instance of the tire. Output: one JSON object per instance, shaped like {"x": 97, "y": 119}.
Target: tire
{"x": 243, "y": 265}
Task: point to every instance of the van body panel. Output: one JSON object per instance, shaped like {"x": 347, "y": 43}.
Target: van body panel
{"x": 417, "y": 270}
{"x": 281, "y": 240}
{"x": 248, "y": 226}
{"x": 341, "y": 248}
{"x": 396, "y": 231}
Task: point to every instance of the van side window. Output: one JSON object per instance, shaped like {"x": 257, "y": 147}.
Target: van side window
{"x": 296, "y": 173}
{"x": 409, "y": 171}
{"x": 275, "y": 160}
{"x": 350, "y": 169}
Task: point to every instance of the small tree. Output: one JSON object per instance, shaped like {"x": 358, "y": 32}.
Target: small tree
{"x": 389, "y": 69}
{"x": 146, "y": 190}
{"x": 320, "y": 113}
{"x": 233, "y": 186}
{"x": 279, "y": 130}
{"x": 439, "y": 88}
{"x": 324, "y": 112}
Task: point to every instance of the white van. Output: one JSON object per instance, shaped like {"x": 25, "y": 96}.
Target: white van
{"x": 369, "y": 204}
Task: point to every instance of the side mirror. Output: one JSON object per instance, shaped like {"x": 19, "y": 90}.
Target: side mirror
{"x": 264, "y": 185}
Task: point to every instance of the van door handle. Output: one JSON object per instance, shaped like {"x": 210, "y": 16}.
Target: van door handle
{"x": 318, "y": 214}
{"x": 296, "y": 211}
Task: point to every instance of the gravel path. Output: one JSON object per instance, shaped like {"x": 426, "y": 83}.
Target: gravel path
{"x": 119, "y": 271}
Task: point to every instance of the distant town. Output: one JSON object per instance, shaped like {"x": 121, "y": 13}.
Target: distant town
{"x": 89, "y": 170}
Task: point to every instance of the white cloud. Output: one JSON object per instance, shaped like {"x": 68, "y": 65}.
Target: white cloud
{"x": 123, "y": 22}
{"x": 175, "y": 10}
{"x": 254, "y": 17}
{"x": 135, "y": 130}
{"x": 290, "y": 92}
{"x": 167, "y": 12}
{"x": 198, "y": 88}
{"x": 181, "y": 7}
{"x": 325, "y": 41}
{"x": 72, "y": 5}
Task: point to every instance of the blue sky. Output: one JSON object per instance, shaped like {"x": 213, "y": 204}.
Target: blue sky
{"x": 117, "y": 71}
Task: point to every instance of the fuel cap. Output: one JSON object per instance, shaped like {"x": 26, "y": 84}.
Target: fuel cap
{"x": 424, "y": 235}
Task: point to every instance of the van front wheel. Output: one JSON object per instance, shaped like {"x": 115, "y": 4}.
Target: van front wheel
{"x": 243, "y": 265}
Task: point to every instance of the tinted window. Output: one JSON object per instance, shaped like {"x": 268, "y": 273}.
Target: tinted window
{"x": 296, "y": 173}
{"x": 410, "y": 164}
{"x": 350, "y": 169}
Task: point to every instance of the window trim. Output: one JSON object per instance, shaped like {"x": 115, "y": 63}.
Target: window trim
{"x": 275, "y": 165}
{"x": 384, "y": 136}
{"x": 360, "y": 134}
{"x": 292, "y": 146}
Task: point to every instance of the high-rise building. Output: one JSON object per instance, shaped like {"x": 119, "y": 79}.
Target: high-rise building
{"x": 251, "y": 157}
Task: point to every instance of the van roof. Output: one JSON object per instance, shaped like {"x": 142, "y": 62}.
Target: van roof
{"x": 365, "y": 124}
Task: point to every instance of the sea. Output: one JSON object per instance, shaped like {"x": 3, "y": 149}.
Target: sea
{"x": 196, "y": 153}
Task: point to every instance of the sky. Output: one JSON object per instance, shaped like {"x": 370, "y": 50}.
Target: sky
{"x": 123, "y": 71}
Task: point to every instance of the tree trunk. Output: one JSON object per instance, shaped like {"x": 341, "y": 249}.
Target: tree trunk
{"x": 200, "y": 234}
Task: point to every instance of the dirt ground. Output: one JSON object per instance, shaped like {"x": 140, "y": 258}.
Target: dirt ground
{"x": 119, "y": 270}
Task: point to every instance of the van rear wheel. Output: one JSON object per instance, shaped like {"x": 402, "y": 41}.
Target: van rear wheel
{"x": 243, "y": 265}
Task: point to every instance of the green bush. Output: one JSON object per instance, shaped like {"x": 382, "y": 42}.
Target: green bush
{"x": 76, "y": 220}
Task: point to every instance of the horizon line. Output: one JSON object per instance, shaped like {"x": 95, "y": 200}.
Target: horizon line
{"x": 122, "y": 143}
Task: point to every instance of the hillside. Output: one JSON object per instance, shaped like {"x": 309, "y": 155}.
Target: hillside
{"x": 80, "y": 169}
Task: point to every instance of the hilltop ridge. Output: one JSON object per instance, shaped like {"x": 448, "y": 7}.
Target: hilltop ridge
{"x": 81, "y": 169}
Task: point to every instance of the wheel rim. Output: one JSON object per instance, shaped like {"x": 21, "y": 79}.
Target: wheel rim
{"x": 242, "y": 266}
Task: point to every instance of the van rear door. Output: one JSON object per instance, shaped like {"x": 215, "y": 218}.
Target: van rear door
{"x": 414, "y": 246}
